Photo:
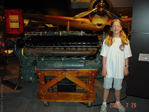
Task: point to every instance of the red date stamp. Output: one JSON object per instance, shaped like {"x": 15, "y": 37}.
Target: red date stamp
{"x": 133, "y": 105}
{"x": 115, "y": 105}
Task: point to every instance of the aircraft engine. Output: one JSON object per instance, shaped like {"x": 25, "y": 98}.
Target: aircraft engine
{"x": 53, "y": 50}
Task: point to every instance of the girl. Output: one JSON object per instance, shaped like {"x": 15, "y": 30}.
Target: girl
{"x": 115, "y": 52}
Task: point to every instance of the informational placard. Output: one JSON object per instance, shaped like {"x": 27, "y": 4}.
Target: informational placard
{"x": 14, "y": 21}
{"x": 143, "y": 57}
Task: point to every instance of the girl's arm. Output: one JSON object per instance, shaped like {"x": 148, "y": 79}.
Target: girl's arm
{"x": 104, "y": 70}
{"x": 126, "y": 71}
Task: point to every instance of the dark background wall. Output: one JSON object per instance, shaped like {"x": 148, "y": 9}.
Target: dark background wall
{"x": 53, "y": 7}
{"x": 138, "y": 78}
{"x": 122, "y": 3}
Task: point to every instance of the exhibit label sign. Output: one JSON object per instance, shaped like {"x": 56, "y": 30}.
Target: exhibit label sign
{"x": 14, "y": 21}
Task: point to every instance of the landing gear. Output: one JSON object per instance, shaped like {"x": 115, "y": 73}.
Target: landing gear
{"x": 46, "y": 103}
{"x": 89, "y": 104}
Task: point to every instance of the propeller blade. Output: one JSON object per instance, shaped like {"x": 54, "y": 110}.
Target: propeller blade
{"x": 82, "y": 14}
{"x": 109, "y": 15}
{"x": 114, "y": 16}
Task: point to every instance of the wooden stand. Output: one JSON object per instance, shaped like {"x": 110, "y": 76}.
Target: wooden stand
{"x": 71, "y": 74}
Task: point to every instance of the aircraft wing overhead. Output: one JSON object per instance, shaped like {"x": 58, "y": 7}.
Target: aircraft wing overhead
{"x": 123, "y": 19}
{"x": 83, "y": 20}
{"x": 64, "y": 18}
{"x": 80, "y": 23}
{"x": 126, "y": 19}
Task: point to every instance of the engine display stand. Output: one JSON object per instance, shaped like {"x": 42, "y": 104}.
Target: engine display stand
{"x": 72, "y": 74}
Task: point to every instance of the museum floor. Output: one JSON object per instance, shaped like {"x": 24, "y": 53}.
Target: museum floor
{"x": 25, "y": 99}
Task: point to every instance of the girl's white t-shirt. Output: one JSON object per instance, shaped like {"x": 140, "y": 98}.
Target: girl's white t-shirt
{"x": 115, "y": 57}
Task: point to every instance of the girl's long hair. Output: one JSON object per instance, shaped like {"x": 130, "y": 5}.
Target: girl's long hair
{"x": 109, "y": 37}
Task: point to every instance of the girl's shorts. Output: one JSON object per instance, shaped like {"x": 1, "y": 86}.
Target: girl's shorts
{"x": 108, "y": 83}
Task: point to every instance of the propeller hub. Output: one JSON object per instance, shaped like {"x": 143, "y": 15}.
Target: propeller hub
{"x": 101, "y": 6}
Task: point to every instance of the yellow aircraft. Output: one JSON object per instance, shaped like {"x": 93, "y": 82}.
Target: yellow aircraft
{"x": 99, "y": 17}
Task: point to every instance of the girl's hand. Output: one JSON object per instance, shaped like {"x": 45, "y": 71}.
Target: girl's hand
{"x": 126, "y": 72}
{"x": 104, "y": 72}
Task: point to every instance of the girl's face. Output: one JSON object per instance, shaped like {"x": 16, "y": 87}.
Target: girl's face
{"x": 116, "y": 27}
